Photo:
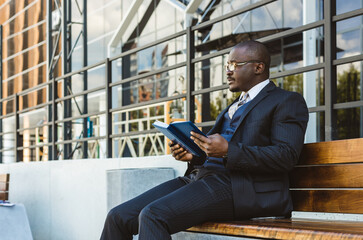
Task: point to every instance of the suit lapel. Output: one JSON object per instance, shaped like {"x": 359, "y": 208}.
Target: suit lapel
{"x": 264, "y": 92}
{"x": 261, "y": 95}
{"x": 219, "y": 119}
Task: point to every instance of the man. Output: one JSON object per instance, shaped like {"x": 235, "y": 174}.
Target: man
{"x": 250, "y": 149}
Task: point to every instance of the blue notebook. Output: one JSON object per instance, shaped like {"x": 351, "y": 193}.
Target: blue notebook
{"x": 180, "y": 132}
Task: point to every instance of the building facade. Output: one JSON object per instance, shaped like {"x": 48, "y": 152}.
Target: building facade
{"x": 86, "y": 79}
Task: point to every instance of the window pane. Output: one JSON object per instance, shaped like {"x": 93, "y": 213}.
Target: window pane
{"x": 350, "y": 123}
{"x": 315, "y": 131}
{"x": 349, "y": 82}
{"x": 344, "y": 6}
{"x": 314, "y": 86}
{"x": 349, "y": 37}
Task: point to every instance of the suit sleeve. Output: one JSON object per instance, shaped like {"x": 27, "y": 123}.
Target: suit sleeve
{"x": 278, "y": 149}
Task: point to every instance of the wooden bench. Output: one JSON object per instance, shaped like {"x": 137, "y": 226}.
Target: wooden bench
{"x": 328, "y": 179}
{"x": 4, "y": 186}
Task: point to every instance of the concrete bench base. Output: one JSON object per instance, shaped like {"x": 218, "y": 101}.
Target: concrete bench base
{"x": 125, "y": 184}
{"x": 14, "y": 223}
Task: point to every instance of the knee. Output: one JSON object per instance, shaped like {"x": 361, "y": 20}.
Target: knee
{"x": 116, "y": 215}
{"x": 112, "y": 216}
{"x": 146, "y": 213}
{"x": 152, "y": 213}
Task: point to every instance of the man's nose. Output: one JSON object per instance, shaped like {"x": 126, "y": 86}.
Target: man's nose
{"x": 229, "y": 72}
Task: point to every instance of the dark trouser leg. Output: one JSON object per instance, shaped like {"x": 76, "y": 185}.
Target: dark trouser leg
{"x": 207, "y": 199}
{"x": 122, "y": 221}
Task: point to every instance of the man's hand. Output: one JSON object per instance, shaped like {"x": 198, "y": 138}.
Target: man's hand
{"x": 214, "y": 145}
{"x": 180, "y": 153}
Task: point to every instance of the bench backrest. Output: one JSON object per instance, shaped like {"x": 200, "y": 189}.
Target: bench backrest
{"x": 329, "y": 177}
{"x": 4, "y": 186}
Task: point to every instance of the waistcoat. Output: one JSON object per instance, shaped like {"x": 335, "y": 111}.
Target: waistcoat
{"x": 228, "y": 128}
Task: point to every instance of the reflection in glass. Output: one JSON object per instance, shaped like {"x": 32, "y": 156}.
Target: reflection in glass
{"x": 8, "y": 107}
{"x": 210, "y": 73}
{"x": 8, "y": 140}
{"x": 141, "y": 119}
{"x": 295, "y": 83}
{"x": 33, "y": 99}
{"x": 349, "y": 82}
{"x": 154, "y": 87}
{"x": 316, "y": 127}
{"x": 349, "y": 123}
{"x": 349, "y": 37}
{"x": 209, "y": 105}
{"x": 344, "y": 6}
{"x": 96, "y": 77}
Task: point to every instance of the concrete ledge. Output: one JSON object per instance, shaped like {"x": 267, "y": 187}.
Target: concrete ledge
{"x": 68, "y": 199}
{"x": 125, "y": 184}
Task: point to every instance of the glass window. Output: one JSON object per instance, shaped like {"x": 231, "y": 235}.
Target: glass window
{"x": 97, "y": 50}
{"x": 103, "y": 17}
{"x": 28, "y": 38}
{"x": 27, "y": 60}
{"x": 33, "y": 98}
{"x": 349, "y": 37}
{"x": 349, "y": 82}
{"x": 209, "y": 105}
{"x": 344, "y": 6}
{"x": 210, "y": 73}
{"x": 8, "y": 107}
{"x": 315, "y": 131}
{"x": 162, "y": 85}
{"x": 8, "y": 140}
{"x": 96, "y": 77}
{"x": 309, "y": 84}
{"x": 349, "y": 123}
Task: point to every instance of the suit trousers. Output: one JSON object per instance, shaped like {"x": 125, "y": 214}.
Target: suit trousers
{"x": 204, "y": 195}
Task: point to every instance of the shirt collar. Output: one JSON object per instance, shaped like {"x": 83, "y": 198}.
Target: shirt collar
{"x": 252, "y": 93}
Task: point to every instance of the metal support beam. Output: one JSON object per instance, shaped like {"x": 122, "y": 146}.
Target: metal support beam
{"x": 16, "y": 133}
{"x": 330, "y": 72}
{"x": 67, "y": 107}
{"x": 49, "y": 77}
{"x": 190, "y": 75}
{"x": 108, "y": 91}
{"x": 54, "y": 115}
{"x": 85, "y": 80}
{"x": 190, "y": 10}
{"x": 116, "y": 38}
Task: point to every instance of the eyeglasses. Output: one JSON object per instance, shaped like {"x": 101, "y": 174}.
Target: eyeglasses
{"x": 231, "y": 66}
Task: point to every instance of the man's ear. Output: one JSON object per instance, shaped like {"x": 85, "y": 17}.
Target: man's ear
{"x": 260, "y": 68}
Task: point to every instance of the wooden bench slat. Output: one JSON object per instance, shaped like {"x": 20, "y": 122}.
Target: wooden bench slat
{"x": 4, "y": 177}
{"x": 4, "y": 196}
{"x": 341, "y": 151}
{"x": 335, "y": 176}
{"x": 328, "y": 178}
{"x": 334, "y": 201}
{"x": 4, "y": 186}
{"x": 285, "y": 229}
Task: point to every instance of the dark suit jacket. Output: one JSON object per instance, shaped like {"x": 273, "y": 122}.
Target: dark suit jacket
{"x": 264, "y": 148}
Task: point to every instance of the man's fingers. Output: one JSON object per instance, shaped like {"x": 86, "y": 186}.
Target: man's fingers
{"x": 175, "y": 147}
{"x": 182, "y": 156}
{"x": 198, "y": 136}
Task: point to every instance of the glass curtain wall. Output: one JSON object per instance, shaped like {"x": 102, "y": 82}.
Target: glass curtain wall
{"x": 23, "y": 68}
{"x": 163, "y": 60}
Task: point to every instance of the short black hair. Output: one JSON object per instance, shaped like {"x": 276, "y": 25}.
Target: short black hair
{"x": 258, "y": 50}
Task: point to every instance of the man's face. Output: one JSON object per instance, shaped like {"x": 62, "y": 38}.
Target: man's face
{"x": 243, "y": 78}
